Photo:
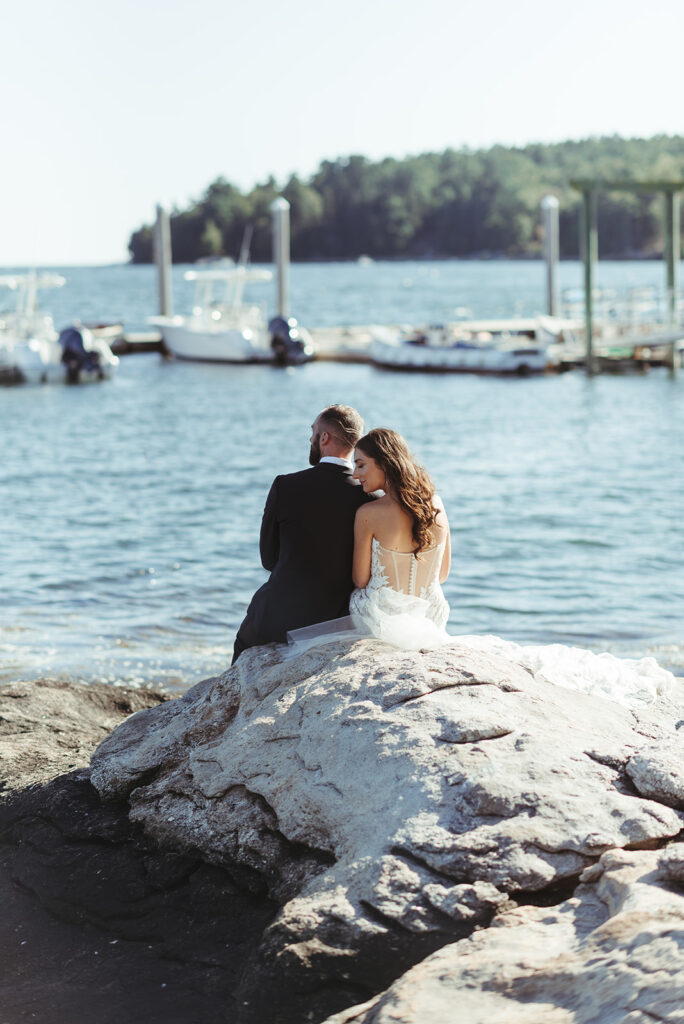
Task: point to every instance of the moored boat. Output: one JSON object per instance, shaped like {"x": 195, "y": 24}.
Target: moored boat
{"x": 31, "y": 350}
{"x": 514, "y": 346}
{"x": 228, "y": 330}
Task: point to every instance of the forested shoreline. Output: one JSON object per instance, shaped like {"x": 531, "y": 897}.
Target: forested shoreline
{"x": 458, "y": 203}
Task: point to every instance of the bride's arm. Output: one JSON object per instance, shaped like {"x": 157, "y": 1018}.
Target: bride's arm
{"x": 444, "y": 523}
{"x": 363, "y": 536}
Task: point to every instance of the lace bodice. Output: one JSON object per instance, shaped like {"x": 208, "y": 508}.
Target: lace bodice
{"x": 403, "y": 600}
{"x": 403, "y": 570}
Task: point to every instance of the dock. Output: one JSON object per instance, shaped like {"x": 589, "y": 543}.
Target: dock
{"x": 134, "y": 343}
{"x": 333, "y": 344}
{"x": 624, "y": 337}
{"x": 634, "y": 352}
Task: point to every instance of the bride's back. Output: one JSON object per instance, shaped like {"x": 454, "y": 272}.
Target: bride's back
{"x": 394, "y": 548}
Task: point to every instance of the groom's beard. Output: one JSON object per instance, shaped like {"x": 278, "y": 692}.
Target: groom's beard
{"x": 315, "y": 452}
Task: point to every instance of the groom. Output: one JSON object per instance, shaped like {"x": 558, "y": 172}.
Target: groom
{"x": 307, "y": 536}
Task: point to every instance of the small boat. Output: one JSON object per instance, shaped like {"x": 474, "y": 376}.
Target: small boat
{"x": 227, "y": 330}
{"x": 31, "y": 350}
{"x": 506, "y": 346}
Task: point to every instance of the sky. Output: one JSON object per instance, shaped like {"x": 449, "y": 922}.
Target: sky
{"x": 110, "y": 109}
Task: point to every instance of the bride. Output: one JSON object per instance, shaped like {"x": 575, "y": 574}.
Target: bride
{"x": 402, "y": 548}
{"x": 402, "y": 555}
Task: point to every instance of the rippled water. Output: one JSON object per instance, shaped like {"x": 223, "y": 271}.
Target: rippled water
{"x": 131, "y": 510}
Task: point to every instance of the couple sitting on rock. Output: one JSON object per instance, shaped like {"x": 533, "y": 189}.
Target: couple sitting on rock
{"x": 376, "y": 525}
{"x": 362, "y": 549}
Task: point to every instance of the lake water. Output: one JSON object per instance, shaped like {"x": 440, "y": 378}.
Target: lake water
{"x": 131, "y": 509}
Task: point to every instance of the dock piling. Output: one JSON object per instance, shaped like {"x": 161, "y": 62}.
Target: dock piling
{"x": 549, "y": 208}
{"x": 162, "y": 258}
{"x": 280, "y": 213}
{"x": 589, "y": 235}
{"x": 672, "y": 246}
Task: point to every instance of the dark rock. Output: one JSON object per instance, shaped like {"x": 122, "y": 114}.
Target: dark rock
{"x": 99, "y": 925}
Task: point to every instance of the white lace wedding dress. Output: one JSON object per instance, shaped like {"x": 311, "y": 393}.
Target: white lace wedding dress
{"x": 403, "y": 605}
{"x": 403, "y": 602}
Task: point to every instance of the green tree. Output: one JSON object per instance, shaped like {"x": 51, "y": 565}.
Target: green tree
{"x": 211, "y": 242}
{"x": 454, "y": 203}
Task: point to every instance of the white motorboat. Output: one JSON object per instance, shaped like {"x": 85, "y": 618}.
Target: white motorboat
{"x": 228, "y": 330}
{"x": 31, "y": 350}
{"x": 495, "y": 346}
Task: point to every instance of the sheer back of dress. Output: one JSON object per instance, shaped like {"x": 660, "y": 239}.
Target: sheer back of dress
{"x": 405, "y": 572}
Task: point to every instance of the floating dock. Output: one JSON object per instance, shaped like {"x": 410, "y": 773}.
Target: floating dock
{"x": 352, "y": 344}
{"x": 133, "y": 343}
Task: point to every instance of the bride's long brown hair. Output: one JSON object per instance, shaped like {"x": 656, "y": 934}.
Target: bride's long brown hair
{"x": 408, "y": 482}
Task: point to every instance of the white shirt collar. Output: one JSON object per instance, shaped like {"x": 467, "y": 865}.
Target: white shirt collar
{"x": 337, "y": 462}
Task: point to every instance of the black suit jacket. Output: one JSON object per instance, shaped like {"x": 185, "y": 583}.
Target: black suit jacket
{"x": 307, "y": 542}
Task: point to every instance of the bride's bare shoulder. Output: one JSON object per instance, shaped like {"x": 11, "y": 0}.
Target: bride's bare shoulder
{"x": 375, "y": 508}
{"x": 366, "y": 514}
{"x": 376, "y": 516}
{"x": 438, "y": 506}
{"x": 441, "y": 519}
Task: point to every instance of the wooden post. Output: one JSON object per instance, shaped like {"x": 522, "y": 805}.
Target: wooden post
{"x": 549, "y": 207}
{"x": 589, "y": 235}
{"x": 162, "y": 257}
{"x": 672, "y": 246}
{"x": 672, "y": 253}
{"x": 280, "y": 212}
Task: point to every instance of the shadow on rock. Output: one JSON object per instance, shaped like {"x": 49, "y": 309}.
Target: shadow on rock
{"x": 99, "y": 926}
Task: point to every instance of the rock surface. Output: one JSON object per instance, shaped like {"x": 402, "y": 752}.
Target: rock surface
{"x": 49, "y": 727}
{"x": 659, "y": 774}
{"x": 612, "y": 953}
{"x": 389, "y": 802}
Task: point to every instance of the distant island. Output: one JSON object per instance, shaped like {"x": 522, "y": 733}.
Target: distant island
{"x": 458, "y": 203}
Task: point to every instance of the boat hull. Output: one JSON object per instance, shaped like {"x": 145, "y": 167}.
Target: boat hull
{"x": 205, "y": 346}
{"x": 443, "y": 359}
{"x": 40, "y": 362}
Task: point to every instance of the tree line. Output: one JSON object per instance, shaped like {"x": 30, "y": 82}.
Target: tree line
{"x": 455, "y": 203}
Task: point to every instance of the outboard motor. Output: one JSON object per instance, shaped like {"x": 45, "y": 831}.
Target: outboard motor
{"x": 291, "y": 344}
{"x": 77, "y": 355}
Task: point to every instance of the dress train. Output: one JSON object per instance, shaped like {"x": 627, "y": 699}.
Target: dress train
{"x": 403, "y": 605}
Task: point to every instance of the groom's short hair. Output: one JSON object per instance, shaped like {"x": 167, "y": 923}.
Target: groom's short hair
{"x": 344, "y": 422}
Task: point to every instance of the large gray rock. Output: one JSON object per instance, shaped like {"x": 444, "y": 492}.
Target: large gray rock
{"x": 390, "y": 801}
{"x": 51, "y": 726}
{"x": 613, "y": 954}
{"x": 659, "y": 774}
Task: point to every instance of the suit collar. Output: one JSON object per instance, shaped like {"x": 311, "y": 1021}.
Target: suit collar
{"x": 334, "y": 467}
{"x": 333, "y": 460}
